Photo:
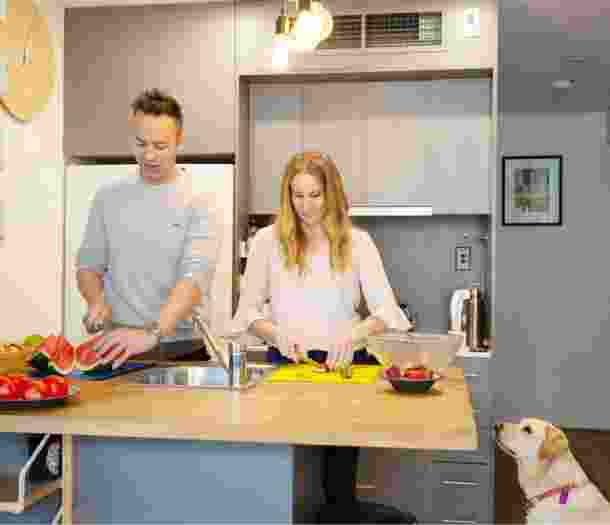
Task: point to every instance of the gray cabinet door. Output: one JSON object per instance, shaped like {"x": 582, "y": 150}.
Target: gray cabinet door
{"x": 458, "y": 493}
{"x": 334, "y": 123}
{"x": 394, "y": 477}
{"x": 114, "y": 53}
{"x": 430, "y": 144}
{"x": 276, "y": 133}
{"x": 454, "y": 128}
{"x": 397, "y": 154}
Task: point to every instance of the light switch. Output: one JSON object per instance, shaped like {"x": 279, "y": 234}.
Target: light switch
{"x": 463, "y": 258}
{"x": 472, "y": 22}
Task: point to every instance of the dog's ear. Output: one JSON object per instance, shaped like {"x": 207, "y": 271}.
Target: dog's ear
{"x": 555, "y": 443}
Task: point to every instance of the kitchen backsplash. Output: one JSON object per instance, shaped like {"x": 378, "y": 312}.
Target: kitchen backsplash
{"x": 419, "y": 257}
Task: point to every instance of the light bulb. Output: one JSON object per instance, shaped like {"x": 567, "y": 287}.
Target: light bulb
{"x": 326, "y": 19}
{"x": 279, "y": 56}
{"x": 307, "y": 30}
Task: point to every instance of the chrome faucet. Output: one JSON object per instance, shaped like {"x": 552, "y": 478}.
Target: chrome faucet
{"x": 236, "y": 363}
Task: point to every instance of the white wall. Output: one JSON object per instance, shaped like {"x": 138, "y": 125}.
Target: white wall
{"x": 553, "y": 283}
{"x": 31, "y": 198}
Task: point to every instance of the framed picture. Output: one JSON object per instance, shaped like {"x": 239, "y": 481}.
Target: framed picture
{"x": 531, "y": 190}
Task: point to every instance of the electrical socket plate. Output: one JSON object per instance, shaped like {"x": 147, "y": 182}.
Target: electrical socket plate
{"x": 463, "y": 258}
{"x": 472, "y": 22}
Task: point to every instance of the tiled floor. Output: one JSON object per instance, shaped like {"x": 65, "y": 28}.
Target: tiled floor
{"x": 591, "y": 449}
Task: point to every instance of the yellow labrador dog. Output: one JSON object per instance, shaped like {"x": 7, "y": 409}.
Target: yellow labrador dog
{"x": 557, "y": 488}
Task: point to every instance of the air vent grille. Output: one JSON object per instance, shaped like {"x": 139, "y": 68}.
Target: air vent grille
{"x": 389, "y": 30}
{"x": 347, "y": 33}
{"x": 403, "y": 29}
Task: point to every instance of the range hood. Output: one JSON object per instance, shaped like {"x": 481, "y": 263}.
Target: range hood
{"x": 389, "y": 210}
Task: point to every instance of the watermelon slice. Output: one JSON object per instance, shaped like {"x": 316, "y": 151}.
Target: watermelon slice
{"x": 87, "y": 359}
{"x": 55, "y": 355}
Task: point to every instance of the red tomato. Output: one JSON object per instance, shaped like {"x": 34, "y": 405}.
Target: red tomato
{"x": 7, "y": 388}
{"x": 416, "y": 373}
{"x": 37, "y": 390}
{"x": 21, "y": 382}
{"x": 57, "y": 386}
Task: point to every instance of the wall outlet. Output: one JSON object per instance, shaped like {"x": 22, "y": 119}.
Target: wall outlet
{"x": 472, "y": 22}
{"x": 463, "y": 258}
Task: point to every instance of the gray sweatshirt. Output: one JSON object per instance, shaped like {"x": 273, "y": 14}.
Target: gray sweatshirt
{"x": 144, "y": 238}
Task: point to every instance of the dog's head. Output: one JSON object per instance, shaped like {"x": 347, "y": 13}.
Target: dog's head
{"x": 532, "y": 441}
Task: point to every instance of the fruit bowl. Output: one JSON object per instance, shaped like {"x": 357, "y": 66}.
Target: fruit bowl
{"x": 414, "y": 385}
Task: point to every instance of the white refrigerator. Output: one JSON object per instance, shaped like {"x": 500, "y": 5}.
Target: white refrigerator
{"x": 81, "y": 183}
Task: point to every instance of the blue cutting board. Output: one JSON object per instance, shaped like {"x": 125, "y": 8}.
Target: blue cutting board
{"x": 102, "y": 375}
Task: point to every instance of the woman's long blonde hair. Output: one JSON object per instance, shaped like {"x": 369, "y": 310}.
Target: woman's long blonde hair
{"x": 335, "y": 219}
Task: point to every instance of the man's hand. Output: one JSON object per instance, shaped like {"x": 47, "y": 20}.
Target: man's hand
{"x": 122, "y": 343}
{"x": 98, "y": 316}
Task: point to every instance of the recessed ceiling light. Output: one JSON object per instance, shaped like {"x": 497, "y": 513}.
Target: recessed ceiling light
{"x": 563, "y": 84}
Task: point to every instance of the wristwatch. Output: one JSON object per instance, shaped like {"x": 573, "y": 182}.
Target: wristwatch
{"x": 153, "y": 328}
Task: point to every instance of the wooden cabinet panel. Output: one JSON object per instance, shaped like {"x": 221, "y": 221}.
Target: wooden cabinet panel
{"x": 276, "y": 117}
{"x": 334, "y": 122}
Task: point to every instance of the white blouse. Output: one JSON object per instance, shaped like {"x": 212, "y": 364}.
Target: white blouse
{"x": 319, "y": 305}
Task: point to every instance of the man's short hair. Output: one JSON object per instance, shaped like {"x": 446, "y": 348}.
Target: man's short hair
{"x": 157, "y": 102}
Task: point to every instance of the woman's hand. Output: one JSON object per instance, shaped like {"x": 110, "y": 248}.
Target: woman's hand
{"x": 122, "y": 343}
{"x": 341, "y": 352}
{"x": 291, "y": 347}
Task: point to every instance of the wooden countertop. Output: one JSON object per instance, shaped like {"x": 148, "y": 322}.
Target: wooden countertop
{"x": 290, "y": 413}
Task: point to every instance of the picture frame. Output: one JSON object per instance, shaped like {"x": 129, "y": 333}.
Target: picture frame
{"x": 532, "y": 190}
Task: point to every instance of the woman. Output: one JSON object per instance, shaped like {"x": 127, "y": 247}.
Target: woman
{"x": 313, "y": 267}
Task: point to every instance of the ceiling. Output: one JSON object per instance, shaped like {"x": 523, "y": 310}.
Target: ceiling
{"x": 537, "y": 39}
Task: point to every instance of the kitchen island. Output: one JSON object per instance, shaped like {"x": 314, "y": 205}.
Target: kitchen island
{"x": 135, "y": 453}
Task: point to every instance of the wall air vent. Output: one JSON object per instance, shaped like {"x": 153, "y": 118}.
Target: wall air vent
{"x": 403, "y": 30}
{"x": 388, "y": 30}
{"x": 347, "y": 33}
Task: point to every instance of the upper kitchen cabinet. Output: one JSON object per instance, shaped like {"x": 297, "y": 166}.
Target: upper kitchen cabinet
{"x": 114, "y": 53}
{"x": 409, "y": 143}
{"x": 379, "y": 36}
{"x": 276, "y": 133}
{"x": 429, "y": 144}
{"x": 334, "y": 122}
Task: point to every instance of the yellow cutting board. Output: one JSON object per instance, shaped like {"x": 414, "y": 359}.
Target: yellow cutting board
{"x": 307, "y": 373}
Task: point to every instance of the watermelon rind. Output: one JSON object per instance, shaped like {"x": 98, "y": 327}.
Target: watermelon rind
{"x": 33, "y": 340}
{"x": 98, "y": 369}
{"x": 40, "y": 362}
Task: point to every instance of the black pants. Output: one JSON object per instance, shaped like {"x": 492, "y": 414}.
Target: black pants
{"x": 339, "y": 471}
{"x": 340, "y": 466}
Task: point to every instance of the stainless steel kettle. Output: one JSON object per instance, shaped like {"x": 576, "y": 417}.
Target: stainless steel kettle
{"x": 465, "y": 315}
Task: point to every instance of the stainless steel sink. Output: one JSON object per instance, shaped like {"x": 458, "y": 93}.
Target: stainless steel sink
{"x": 198, "y": 376}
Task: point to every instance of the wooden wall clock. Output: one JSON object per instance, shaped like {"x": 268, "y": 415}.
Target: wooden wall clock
{"x": 24, "y": 34}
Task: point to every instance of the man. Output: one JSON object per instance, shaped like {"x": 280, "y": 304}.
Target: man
{"x": 150, "y": 246}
